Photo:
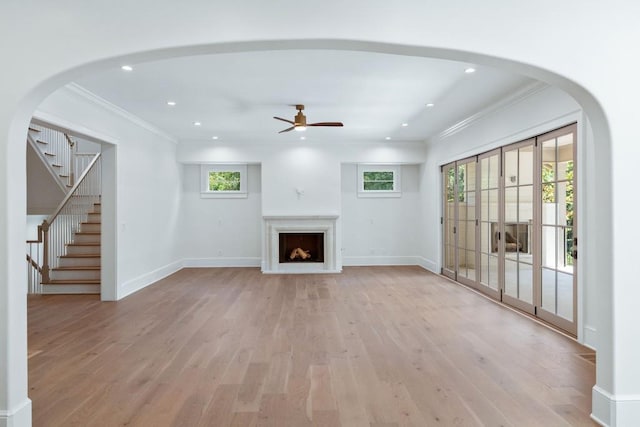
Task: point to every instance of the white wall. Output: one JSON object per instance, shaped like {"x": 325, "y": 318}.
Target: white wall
{"x": 148, "y": 192}
{"x": 43, "y": 192}
{"x": 302, "y": 180}
{"x": 218, "y": 231}
{"x": 313, "y": 167}
{"x": 315, "y": 170}
{"x": 381, "y": 231}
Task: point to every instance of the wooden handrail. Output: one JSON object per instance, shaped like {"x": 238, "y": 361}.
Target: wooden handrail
{"x": 39, "y": 236}
{"x": 34, "y": 264}
{"x": 64, "y": 201}
{"x": 71, "y": 142}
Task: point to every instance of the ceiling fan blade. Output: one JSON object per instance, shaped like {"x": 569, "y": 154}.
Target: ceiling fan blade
{"x": 337, "y": 124}
{"x": 287, "y": 130}
{"x": 284, "y": 120}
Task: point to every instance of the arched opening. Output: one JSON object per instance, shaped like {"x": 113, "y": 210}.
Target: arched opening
{"x": 599, "y": 146}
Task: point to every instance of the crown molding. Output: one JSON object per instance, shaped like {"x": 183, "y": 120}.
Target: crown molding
{"x": 103, "y": 103}
{"x": 510, "y": 100}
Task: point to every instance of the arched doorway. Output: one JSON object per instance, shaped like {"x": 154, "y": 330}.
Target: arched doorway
{"x": 17, "y": 129}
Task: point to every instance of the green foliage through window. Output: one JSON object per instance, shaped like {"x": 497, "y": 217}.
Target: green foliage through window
{"x": 378, "y": 181}
{"x": 451, "y": 183}
{"x": 224, "y": 181}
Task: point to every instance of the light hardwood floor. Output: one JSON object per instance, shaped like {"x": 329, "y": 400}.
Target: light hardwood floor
{"x": 373, "y": 346}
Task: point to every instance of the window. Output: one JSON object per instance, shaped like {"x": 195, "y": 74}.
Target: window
{"x": 379, "y": 181}
{"x": 223, "y": 181}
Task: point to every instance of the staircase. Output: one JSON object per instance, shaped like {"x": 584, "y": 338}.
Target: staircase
{"x": 66, "y": 256}
{"x": 78, "y": 270}
{"x": 56, "y": 150}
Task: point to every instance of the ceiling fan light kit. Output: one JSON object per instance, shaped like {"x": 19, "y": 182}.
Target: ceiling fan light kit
{"x": 300, "y": 122}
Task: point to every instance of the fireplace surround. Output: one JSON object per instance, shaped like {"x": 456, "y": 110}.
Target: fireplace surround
{"x": 322, "y": 227}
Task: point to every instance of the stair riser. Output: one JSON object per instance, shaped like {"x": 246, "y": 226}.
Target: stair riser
{"x": 79, "y": 262}
{"x": 94, "y": 216}
{"x": 86, "y": 238}
{"x": 87, "y": 227}
{"x": 96, "y": 208}
{"x": 75, "y": 274}
{"x": 71, "y": 289}
{"x": 83, "y": 250}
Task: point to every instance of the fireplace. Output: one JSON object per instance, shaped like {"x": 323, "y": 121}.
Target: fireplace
{"x": 315, "y": 235}
{"x": 312, "y": 244}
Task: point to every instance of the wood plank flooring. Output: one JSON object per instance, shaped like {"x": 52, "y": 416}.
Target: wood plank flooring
{"x": 373, "y": 346}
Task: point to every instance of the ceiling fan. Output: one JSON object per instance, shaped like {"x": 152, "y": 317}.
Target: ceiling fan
{"x": 300, "y": 121}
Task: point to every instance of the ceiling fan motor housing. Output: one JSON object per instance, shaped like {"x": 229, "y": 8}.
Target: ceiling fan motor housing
{"x": 300, "y": 119}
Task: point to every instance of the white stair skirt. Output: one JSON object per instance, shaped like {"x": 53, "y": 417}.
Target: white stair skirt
{"x": 276, "y": 224}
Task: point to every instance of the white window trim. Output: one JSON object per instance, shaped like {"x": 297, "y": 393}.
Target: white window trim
{"x": 397, "y": 182}
{"x": 205, "y": 193}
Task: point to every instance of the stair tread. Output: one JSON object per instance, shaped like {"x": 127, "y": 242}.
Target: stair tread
{"x": 79, "y": 267}
{"x": 93, "y": 233}
{"x": 34, "y": 129}
{"x": 56, "y": 165}
{"x": 91, "y": 222}
{"x": 73, "y": 282}
{"x": 39, "y": 141}
{"x": 83, "y": 244}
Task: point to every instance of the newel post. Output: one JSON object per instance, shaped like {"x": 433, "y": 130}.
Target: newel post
{"x": 45, "y": 251}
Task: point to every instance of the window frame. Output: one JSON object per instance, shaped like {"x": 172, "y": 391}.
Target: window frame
{"x": 206, "y": 169}
{"x": 397, "y": 183}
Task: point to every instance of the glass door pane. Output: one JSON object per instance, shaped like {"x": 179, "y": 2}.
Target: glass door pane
{"x": 489, "y": 170}
{"x": 516, "y": 233}
{"x": 466, "y": 220}
{"x": 557, "y": 230}
{"x": 449, "y": 220}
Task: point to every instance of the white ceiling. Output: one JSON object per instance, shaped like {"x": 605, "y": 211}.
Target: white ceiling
{"x": 235, "y": 96}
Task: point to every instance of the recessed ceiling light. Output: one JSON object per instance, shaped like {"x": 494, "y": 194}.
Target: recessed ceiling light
{"x": 404, "y": 125}
{"x": 171, "y": 103}
{"x": 303, "y": 138}
{"x": 197, "y": 124}
{"x": 214, "y": 137}
{"x": 470, "y": 70}
{"x": 387, "y": 138}
{"x": 127, "y": 68}
{"x": 430, "y": 105}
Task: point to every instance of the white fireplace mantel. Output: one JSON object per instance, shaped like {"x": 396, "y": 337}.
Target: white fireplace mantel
{"x": 276, "y": 224}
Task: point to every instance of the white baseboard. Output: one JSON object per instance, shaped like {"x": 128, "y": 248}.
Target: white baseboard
{"x": 222, "y": 262}
{"x": 362, "y": 261}
{"x": 615, "y": 410}
{"x": 17, "y": 417}
{"x": 428, "y": 264}
{"x": 134, "y": 285}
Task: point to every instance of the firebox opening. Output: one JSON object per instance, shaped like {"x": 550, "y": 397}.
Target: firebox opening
{"x": 301, "y": 247}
